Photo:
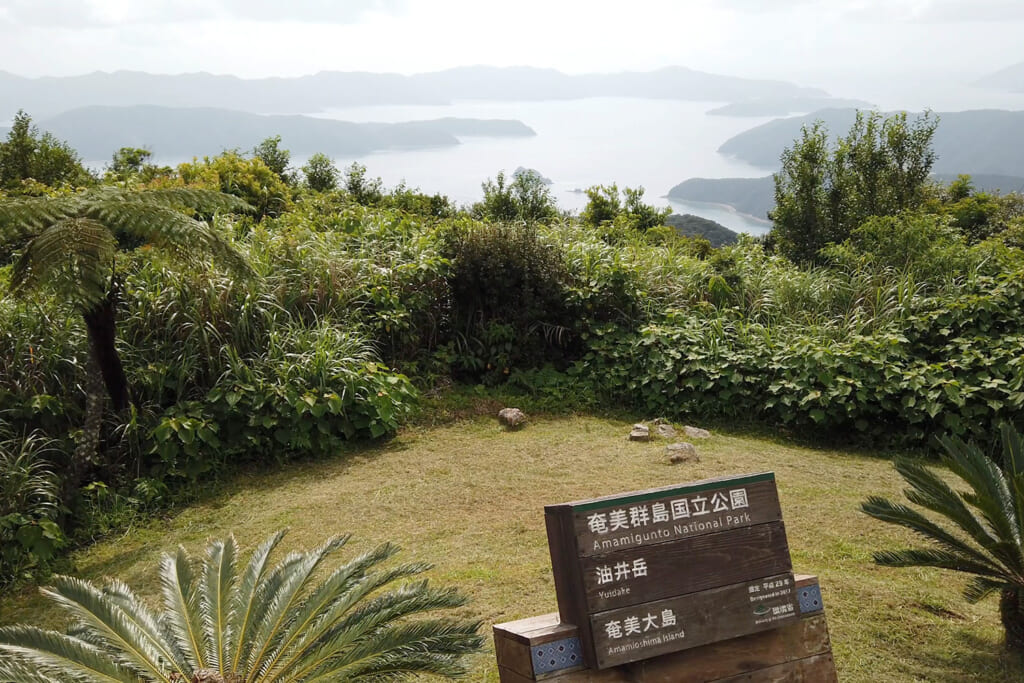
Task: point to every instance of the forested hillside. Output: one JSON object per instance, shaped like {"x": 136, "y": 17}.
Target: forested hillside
{"x": 174, "y": 132}
{"x": 164, "y": 326}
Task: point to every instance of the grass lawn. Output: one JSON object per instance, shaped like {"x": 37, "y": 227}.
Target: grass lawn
{"x": 469, "y": 498}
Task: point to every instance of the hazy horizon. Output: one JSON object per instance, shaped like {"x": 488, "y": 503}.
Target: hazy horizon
{"x": 843, "y": 46}
{"x": 895, "y": 54}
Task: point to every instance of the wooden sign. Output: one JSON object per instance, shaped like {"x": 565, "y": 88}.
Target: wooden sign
{"x": 671, "y": 513}
{"x": 542, "y": 648}
{"x": 634, "y": 556}
{"x": 679, "y": 623}
{"x": 651, "y": 573}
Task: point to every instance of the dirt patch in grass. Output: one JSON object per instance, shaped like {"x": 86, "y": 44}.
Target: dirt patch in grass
{"x": 469, "y": 498}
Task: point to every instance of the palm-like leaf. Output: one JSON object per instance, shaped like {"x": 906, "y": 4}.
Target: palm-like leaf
{"x": 75, "y": 236}
{"x": 249, "y": 622}
{"x": 69, "y": 243}
{"x": 983, "y": 531}
{"x": 73, "y": 254}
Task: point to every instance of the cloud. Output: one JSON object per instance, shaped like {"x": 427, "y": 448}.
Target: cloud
{"x": 55, "y": 13}
{"x": 82, "y": 14}
{"x": 943, "y": 11}
{"x": 329, "y": 11}
{"x": 761, "y": 6}
{"x": 936, "y": 11}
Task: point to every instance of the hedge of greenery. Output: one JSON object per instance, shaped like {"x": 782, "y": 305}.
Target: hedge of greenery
{"x": 912, "y": 329}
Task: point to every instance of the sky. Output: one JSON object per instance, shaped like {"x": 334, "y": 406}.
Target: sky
{"x": 814, "y": 43}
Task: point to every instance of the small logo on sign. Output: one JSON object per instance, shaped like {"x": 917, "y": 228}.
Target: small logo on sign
{"x": 761, "y": 610}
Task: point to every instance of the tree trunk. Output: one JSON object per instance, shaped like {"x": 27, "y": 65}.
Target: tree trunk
{"x": 99, "y": 322}
{"x": 1011, "y": 611}
{"x": 89, "y": 444}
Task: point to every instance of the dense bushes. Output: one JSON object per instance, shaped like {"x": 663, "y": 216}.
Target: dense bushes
{"x": 29, "y": 506}
{"x": 910, "y": 328}
{"x": 918, "y": 366}
{"x": 222, "y": 371}
{"x": 509, "y": 306}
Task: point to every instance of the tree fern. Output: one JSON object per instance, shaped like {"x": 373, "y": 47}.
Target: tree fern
{"x": 69, "y": 243}
{"x": 234, "y": 622}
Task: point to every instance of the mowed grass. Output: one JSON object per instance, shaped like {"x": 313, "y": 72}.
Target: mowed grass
{"x": 469, "y": 498}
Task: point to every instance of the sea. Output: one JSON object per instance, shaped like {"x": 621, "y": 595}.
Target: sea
{"x": 653, "y": 144}
{"x": 648, "y": 143}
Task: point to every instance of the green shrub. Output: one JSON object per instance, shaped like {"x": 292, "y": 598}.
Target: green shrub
{"x": 952, "y": 365}
{"x": 30, "y": 535}
{"x": 525, "y": 199}
{"x": 321, "y": 173}
{"x": 927, "y": 246}
{"x": 247, "y": 178}
{"x": 508, "y": 291}
{"x": 308, "y": 392}
{"x": 363, "y": 190}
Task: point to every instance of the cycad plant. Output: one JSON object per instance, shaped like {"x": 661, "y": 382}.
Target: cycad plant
{"x": 984, "y": 524}
{"x": 225, "y": 621}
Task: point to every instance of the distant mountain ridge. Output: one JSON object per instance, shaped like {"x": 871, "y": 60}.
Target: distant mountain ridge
{"x": 97, "y": 132}
{"x": 48, "y": 96}
{"x": 1011, "y": 78}
{"x": 981, "y": 141}
{"x": 784, "y": 106}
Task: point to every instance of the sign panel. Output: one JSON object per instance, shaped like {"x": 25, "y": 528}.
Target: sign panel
{"x": 661, "y": 548}
{"x": 654, "y": 572}
{"x": 672, "y": 513}
{"x": 639, "y": 632}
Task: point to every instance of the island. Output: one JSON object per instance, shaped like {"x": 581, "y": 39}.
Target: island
{"x": 980, "y": 141}
{"x": 180, "y": 132}
{"x": 784, "y": 106}
{"x": 688, "y": 225}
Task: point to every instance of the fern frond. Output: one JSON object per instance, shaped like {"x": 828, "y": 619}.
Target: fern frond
{"x": 941, "y": 559}
{"x": 169, "y": 229}
{"x": 434, "y": 646}
{"x": 1013, "y": 449}
{"x": 351, "y": 620}
{"x": 201, "y": 200}
{"x": 140, "y": 615}
{"x": 894, "y": 513}
{"x": 990, "y": 492}
{"x": 327, "y": 604}
{"x": 979, "y": 588}
{"x": 75, "y": 254}
{"x": 126, "y": 641}
{"x": 269, "y": 631}
{"x": 28, "y": 216}
{"x": 932, "y": 492}
{"x": 311, "y": 612}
